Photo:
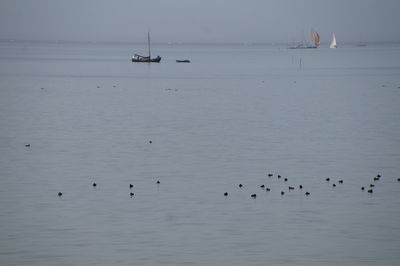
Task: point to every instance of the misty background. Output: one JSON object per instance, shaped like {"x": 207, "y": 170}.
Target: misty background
{"x": 208, "y": 21}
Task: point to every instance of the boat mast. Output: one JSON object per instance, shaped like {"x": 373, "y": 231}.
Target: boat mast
{"x": 148, "y": 42}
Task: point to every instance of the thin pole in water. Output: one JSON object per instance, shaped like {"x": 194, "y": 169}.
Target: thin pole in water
{"x": 300, "y": 65}
{"x": 148, "y": 43}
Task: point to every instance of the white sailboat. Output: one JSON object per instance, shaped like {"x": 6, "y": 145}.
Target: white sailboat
{"x": 333, "y": 42}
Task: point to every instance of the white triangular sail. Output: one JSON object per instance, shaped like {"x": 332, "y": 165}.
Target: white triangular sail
{"x": 333, "y": 43}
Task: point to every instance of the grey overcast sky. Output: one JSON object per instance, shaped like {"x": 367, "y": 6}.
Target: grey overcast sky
{"x": 199, "y": 20}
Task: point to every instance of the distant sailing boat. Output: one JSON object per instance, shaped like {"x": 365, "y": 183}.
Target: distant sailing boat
{"x": 333, "y": 43}
{"x": 146, "y": 59}
{"x": 315, "y": 42}
{"x": 316, "y": 39}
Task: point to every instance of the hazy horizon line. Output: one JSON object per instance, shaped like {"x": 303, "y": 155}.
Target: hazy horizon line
{"x": 7, "y": 40}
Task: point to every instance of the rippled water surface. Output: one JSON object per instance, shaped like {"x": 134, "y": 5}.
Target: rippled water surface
{"x": 231, "y": 116}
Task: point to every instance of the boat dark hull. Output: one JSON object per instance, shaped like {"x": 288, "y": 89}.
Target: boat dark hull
{"x": 183, "y": 61}
{"x": 147, "y": 60}
{"x": 303, "y": 47}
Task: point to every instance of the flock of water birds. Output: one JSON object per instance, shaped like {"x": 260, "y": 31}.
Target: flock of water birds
{"x": 369, "y": 188}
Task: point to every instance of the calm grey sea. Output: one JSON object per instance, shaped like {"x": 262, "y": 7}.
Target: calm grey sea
{"x": 233, "y": 115}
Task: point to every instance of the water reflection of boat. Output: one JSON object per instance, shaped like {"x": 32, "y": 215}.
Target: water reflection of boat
{"x": 146, "y": 59}
{"x": 315, "y": 42}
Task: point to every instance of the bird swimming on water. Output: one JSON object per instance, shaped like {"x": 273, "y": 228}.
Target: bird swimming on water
{"x": 59, "y": 194}
{"x": 94, "y": 185}
{"x": 253, "y": 196}
{"x": 226, "y": 194}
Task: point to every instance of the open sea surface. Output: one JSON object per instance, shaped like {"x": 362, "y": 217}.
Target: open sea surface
{"x": 233, "y": 115}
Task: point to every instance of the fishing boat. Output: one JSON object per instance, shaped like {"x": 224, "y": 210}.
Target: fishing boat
{"x": 314, "y": 44}
{"x": 146, "y": 59}
{"x": 333, "y": 42}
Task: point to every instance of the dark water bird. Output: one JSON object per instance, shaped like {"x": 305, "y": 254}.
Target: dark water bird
{"x": 328, "y": 179}
{"x": 282, "y": 193}
{"x": 131, "y": 194}
{"x": 333, "y": 185}
{"x": 130, "y": 186}
{"x": 370, "y": 191}
{"x": 279, "y": 176}
{"x": 307, "y": 193}
{"x": 150, "y": 141}
{"x": 270, "y": 175}
{"x": 291, "y": 188}
{"x": 371, "y": 185}
{"x": 267, "y": 189}
{"x": 240, "y": 185}
{"x": 94, "y": 185}
{"x": 158, "y": 181}
{"x": 376, "y": 178}
{"x": 285, "y": 179}
{"x": 378, "y": 175}
{"x": 27, "y": 145}
{"x": 398, "y": 179}
{"x": 341, "y": 181}
{"x": 301, "y": 187}
{"x": 362, "y": 188}
{"x": 59, "y": 194}
{"x": 253, "y": 196}
{"x": 262, "y": 186}
{"x": 226, "y": 194}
